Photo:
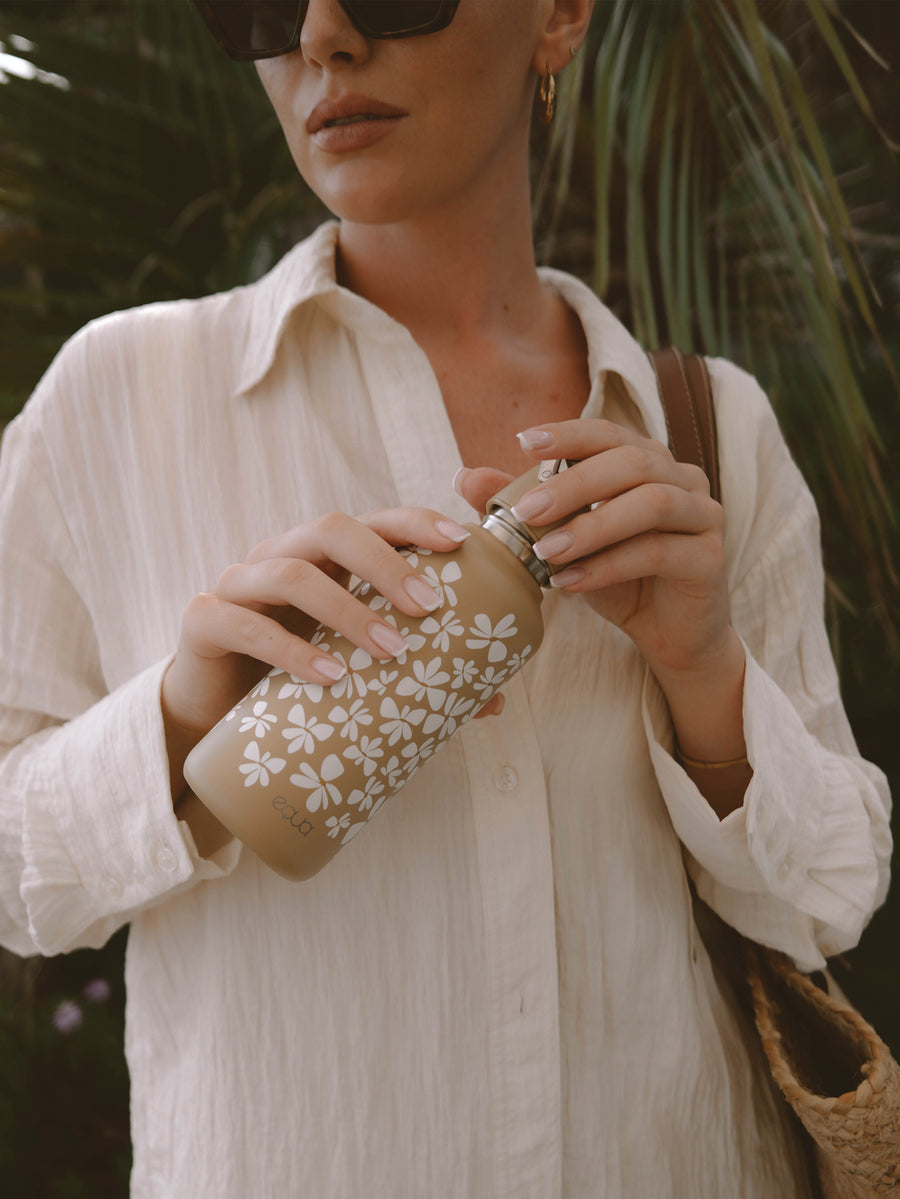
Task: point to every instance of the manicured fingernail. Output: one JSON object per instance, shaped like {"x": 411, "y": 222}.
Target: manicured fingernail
{"x": 451, "y": 530}
{"x": 532, "y": 504}
{"x": 553, "y": 543}
{"x": 387, "y": 638}
{"x": 566, "y": 578}
{"x": 421, "y": 593}
{"x": 457, "y": 479}
{"x": 329, "y": 668}
{"x": 535, "y": 439}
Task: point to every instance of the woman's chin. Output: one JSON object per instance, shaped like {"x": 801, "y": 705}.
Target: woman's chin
{"x": 360, "y": 205}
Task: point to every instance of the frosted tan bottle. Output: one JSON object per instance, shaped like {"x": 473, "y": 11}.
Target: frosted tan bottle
{"x": 295, "y": 769}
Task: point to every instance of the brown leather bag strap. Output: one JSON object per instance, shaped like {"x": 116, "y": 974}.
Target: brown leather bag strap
{"x": 687, "y": 401}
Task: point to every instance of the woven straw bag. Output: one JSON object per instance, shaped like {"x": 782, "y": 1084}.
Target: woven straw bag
{"x": 830, "y": 1065}
{"x": 835, "y": 1072}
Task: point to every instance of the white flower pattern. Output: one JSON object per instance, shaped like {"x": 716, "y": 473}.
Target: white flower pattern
{"x": 441, "y": 631}
{"x": 364, "y": 797}
{"x": 456, "y": 712}
{"x": 304, "y": 731}
{"x": 351, "y": 683}
{"x": 294, "y": 689}
{"x": 490, "y": 680}
{"x": 384, "y": 680}
{"x": 262, "y": 687}
{"x": 463, "y": 672}
{"x": 414, "y": 641}
{"x": 417, "y": 755}
{"x": 353, "y": 830}
{"x": 320, "y": 785}
{"x": 259, "y": 766}
{"x": 365, "y": 753}
{"x": 349, "y": 720}
{"x": 337, "y": 824}
{"x": 516, "y": 661}
{"x": 441, "y": 581}
{"x": 423, "y": 697}
{"x": 399, "y": 722}
{"x": 427, "y": 680}
{"x": 259, "y": 721}
{"x": 492, "y": 636}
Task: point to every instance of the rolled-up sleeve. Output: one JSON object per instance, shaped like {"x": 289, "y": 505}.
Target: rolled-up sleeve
{"x": 804, "y": 862}
{"x": 88, "y": 835}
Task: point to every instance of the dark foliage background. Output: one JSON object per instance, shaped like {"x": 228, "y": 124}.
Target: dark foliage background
{"x": 158, "y": 171}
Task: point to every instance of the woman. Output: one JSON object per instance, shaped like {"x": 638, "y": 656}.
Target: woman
{"x": 497, "y": 990}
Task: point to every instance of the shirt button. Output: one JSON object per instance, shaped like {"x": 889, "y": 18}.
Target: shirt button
{"x": 785, "y": 866}
{"x": 166, "y": 859}
{"x": 110, "y": 885}
{"x": 506, "y": 779}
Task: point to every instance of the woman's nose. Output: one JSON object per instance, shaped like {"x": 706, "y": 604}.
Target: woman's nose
{"x": 329, "y": 37}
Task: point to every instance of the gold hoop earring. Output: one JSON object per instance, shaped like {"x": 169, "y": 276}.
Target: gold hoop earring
{"x": 548, "y": 96}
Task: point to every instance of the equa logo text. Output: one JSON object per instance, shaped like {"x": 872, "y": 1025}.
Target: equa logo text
{"x": 292, "y": 815}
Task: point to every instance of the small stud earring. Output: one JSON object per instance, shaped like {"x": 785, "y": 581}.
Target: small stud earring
{"x": 548, "y": 96}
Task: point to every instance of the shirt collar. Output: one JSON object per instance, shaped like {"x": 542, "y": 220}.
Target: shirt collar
{"x": 307, "y": 273}
{"x": 611, "y": 351}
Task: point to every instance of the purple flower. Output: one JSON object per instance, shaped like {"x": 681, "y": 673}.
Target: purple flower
{"x": 97, "y": 991}
{"x": 67, "y": 1017}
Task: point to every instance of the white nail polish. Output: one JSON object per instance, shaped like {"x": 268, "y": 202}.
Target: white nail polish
{"x": 451, "y": 530}
{"x": 454, "y": 482}
{"x": 329, "y": 668}
{"x": 534, "y": 439}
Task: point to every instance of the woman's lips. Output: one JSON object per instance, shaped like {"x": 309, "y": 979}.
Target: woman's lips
{"x": 351, "y": 123}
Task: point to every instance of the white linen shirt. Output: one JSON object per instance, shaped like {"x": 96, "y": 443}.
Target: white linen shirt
{"x": 497, "y": 990}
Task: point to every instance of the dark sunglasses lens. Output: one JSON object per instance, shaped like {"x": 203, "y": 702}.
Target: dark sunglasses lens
{"x": 258, "y": 26}
{"x": 396, "y": 18}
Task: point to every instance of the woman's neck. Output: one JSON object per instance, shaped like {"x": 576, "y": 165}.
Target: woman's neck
{"x": 449, "y": 277}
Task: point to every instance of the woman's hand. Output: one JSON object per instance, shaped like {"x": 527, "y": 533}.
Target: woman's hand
{"x": 262, "y": 611}
{"x": 648, "y": 555}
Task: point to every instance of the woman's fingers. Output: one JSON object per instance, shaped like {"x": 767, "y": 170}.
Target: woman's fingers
{"x": 215, "y": 627}
{"x": 299, "y": 570}
{"x": 298, "y": 584}
{"x": 478, "y": 484}
{"x": 582, "y": 438}
{"x": 341, "y": 544}
{"x": 658, "y": 507}
{"x": 676, "y": 557}
{"x": 343, "y": 534}
{"x": 603, "y": 476}
{"x": 264, "y": 610}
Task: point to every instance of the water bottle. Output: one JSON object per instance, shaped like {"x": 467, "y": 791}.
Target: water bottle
{"x": 296, "y": 770}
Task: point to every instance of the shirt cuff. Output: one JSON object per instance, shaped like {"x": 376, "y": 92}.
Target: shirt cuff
{"x": 101, "y": 840}
{"x": 801, "y": 842}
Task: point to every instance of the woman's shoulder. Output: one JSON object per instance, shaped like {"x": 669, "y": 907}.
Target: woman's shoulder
{"x": 765, "y": 497}
{"x": 752, "y": 445}
{"x": 177, "y": 349}
{"x": 126, "y": 357}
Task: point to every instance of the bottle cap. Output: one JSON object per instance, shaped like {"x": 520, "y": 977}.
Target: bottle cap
{"x": 517, "y": 535}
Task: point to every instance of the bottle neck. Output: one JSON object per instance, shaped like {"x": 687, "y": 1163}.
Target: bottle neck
{"x": 503, "y": 525}
{"x": 518, "y": 536}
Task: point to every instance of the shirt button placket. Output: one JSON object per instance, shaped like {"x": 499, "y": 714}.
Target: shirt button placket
{"x": 165, "y": 858}
{"x": 506, "y": 779}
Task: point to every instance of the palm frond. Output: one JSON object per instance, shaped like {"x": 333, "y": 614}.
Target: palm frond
{"x": 722, "y": 226}
{"x": 160, "y": 171}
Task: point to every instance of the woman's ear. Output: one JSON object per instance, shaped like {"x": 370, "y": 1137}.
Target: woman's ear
{"x": 564, "y": 31}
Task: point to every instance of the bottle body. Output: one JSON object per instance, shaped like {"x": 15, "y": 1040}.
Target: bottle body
{"x": 296, "y": 769}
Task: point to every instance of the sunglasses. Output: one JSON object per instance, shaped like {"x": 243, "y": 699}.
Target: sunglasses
{"x": 251, "y": 29}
